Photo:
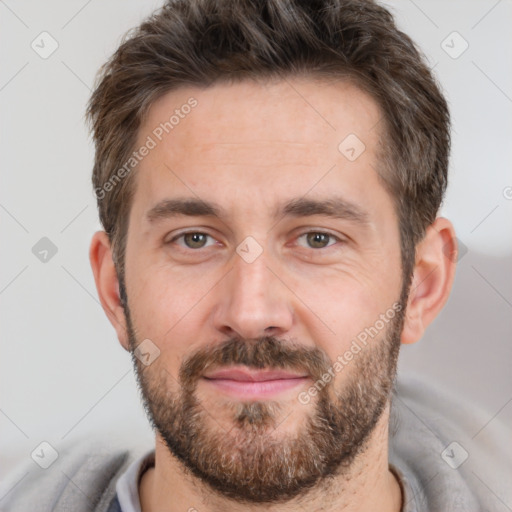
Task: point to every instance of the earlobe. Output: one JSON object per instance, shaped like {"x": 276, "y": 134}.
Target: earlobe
{"x": 107, "y": 284}
{"x": 434, "y": 273}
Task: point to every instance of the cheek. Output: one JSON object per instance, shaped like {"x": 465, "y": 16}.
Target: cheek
{"x": 165, "y": 302}
{"x": 342, "y": 312}
{"x": 344, "y": 302}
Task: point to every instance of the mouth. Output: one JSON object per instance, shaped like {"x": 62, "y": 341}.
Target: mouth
{"x": 242, "y": 382}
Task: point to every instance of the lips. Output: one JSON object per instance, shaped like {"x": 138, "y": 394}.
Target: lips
{"x": 243, "y": 383}
{"x": 246, "y": 375}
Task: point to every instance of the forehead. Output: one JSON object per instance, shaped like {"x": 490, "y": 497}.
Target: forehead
{"x": 327, "y": 110}
{"x": 255, "y": 141}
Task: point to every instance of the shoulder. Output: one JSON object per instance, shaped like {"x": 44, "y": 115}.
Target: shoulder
{"x": 82, "y": 477}
{"x": 457, "y": 456}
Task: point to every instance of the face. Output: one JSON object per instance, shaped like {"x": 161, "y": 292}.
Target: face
{"x": 263, "y": 262}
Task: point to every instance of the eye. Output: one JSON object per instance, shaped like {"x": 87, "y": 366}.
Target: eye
{"x": 192, "y": 240}
{"x": 318, "y": 239}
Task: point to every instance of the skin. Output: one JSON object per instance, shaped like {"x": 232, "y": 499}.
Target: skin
{"x": 250, "y": 147}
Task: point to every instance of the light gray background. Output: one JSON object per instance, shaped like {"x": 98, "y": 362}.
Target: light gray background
{"x": 63, "y": 373}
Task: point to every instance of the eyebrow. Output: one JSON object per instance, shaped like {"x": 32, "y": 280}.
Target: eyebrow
{"x": 334, "y": 207}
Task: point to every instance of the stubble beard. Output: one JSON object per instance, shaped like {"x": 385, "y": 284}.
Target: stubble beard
{"x": 253, "y": 461}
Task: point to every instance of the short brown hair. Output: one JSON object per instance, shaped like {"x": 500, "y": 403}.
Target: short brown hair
{"x": 202, "y": 42}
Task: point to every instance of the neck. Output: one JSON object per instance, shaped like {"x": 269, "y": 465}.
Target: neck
{"x": 369, "y": 485}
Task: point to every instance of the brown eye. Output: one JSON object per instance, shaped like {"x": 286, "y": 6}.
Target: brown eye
{"x": 318, "y": 239}
{"x": 192, "y": 240}
{"x": 195, "y": 240}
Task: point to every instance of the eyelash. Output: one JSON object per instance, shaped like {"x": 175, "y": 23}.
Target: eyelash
{"x": 181, "y": 235}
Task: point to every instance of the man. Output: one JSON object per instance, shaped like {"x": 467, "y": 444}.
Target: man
{"x": 269, "y": 176}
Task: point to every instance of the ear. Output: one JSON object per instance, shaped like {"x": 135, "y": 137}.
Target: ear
{"x": 434, "y": 272}
{"x": 107, "y": 284}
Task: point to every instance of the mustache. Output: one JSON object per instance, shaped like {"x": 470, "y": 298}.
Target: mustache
{"x": 267, "y": 352}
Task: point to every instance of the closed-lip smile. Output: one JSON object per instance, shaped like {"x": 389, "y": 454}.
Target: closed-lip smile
{"x": 243, "y": 382}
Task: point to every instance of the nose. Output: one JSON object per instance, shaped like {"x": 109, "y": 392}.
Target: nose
{"x": 253, "y": 301}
